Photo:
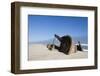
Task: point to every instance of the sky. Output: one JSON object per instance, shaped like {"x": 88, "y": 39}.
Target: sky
{"x": 42, "y": 27}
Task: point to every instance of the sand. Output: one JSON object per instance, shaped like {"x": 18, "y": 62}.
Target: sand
{"x": 41, "y": 52}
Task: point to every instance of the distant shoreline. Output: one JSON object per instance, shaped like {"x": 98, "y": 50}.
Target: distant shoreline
{"x": 84, "y": 46}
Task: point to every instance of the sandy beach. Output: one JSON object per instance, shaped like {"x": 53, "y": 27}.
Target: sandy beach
{"x": 41, "y": 52}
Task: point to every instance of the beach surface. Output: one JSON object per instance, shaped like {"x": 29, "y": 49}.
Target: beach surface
{"x": 41, "y": 52}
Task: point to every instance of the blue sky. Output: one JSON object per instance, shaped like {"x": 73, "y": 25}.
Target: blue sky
{"x": 44, "y": 27}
